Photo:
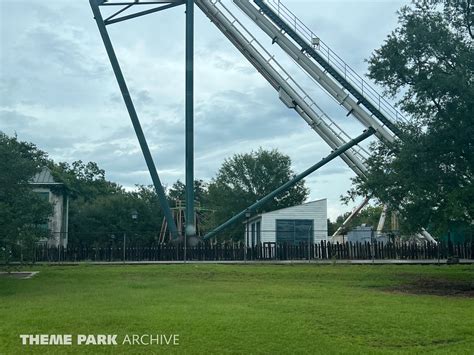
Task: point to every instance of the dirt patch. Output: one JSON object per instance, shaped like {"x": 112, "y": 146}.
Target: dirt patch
{"x": 18, "y": 274}
{"x": 437, "y": 287}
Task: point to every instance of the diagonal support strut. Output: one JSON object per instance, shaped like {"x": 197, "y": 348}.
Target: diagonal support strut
{"x": 334, "y": 154}
{"x": 134, "y": 117}
{"x": 110, "y": 20}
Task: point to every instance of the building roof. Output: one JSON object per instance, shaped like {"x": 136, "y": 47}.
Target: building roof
{"x": 44, "y": 177}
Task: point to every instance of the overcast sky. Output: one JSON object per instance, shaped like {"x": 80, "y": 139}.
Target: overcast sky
{"x": 58, "y": 91}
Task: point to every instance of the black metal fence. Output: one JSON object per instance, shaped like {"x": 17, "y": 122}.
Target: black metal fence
{"x": 237, "y": 251}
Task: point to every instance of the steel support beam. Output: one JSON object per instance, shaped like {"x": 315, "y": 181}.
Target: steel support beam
{"x": 383, "y": 217}
{"x": 134, "y": 117}
{"x": 354, "y": 213}
{"x": 190, "y": 229}
{"x": 278, "y": 78}
{"x": 308, "y": 65}
{"x": 328, "y": 67}
{"x": 334, "y": 154}
{"x": 136, "y": 2}
{"x": 141, "y": 13}
{"x": 118, "y": 13}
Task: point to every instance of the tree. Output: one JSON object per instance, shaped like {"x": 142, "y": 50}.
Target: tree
{"x": 245, "y": 178}
{"x": 82, "y": 181}
{"x": 100, "y": 210}
{"x": 178, "y": 191}
{"x": 22, "y": 212}
{"x": 428, "y": 174}
{"x": 104, "y": 220}
{"x": 88, "y": 189}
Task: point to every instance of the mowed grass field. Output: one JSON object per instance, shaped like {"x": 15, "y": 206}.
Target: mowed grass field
{"x": 245, "y": 309}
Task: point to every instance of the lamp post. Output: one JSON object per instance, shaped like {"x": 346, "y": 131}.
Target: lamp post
{"x": 247, "y": 217}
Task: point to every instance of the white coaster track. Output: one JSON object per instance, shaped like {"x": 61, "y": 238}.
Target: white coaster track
{"x": 319, "y": 62}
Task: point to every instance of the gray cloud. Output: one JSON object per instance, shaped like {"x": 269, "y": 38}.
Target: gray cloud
{"x": 58, "y": 91}
{"x": 11, "y": 119}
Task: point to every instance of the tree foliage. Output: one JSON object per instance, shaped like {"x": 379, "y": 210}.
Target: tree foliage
{"x": 177, "y": 192}
{"x": 22, "y": 212}
{"x": 245, "y": 178}
{"x": 100, "y": 211}
{"x": 429, "y": 60}
{"x": 84, "y": 181}
{"x": 104, "y": 220}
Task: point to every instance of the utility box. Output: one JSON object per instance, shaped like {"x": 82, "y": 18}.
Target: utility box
{"x": 315, "y": 42}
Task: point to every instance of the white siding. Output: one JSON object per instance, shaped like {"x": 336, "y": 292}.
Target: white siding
{"x": 315, "y": 210}
{"x": 56, "y": 221}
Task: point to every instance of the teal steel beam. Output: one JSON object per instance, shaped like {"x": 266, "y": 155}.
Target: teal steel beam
{"x": 334, "y": 154}
{"x": 118, "y": 13}
{"x": 189, "y": 124}
{"x": 306, "y": 47}
{"x": 142, "y": 13}
{"x": 136, "y": 2}
{"x": 134, "y": 117}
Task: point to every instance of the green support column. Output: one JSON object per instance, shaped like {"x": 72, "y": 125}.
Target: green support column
{"x": 134, "y": 117}
{"x": 189, "y": 160}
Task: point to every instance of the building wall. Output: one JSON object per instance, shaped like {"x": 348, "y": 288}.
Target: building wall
{"x": 56, "y": 224}
{"x": 315, "y": 210}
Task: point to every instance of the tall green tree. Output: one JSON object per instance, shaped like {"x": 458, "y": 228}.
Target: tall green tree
{"x": 103, "y": 221}
{"x": 177, "y": 192}
{"x": 101, "y": 210}
{"x": 88, "y": 190}
{"x": 22, "y": 212}
{"x": 84, "y": 181}
{"x": 245, "y": 178}
{"x": 429, "y": 61}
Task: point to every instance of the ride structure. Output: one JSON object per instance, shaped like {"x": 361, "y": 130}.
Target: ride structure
{"x": 325, "y": 68}
{"x": 201, "y": 220}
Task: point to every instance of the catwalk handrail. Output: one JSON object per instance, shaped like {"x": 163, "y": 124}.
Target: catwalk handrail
{"x": 336, "y": 61}
{"x": 270, "y": 60}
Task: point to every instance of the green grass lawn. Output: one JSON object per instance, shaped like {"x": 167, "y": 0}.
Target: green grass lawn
{"x": 272, "y": 309}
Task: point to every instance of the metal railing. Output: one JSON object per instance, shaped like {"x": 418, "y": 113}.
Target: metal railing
{"x": 335, "y": 61}
{"x": 237, "y": 251}
{"x": 358, "y": 150}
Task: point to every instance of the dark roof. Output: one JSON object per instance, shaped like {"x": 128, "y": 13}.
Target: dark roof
{"x": 44, "y": 177}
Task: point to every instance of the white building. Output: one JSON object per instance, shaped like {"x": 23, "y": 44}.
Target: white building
{"x": 44, "y": 185}
{"x": 293, "y": 225}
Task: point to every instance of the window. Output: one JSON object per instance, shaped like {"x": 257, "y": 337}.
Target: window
{"x": 44, "y": 195}
{"x": 294, "y": 231}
